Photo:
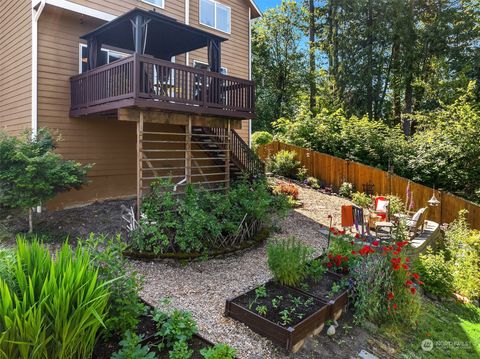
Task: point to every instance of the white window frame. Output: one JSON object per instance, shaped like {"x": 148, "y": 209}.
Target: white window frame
{"x": 205, "y": 63}
{"x": 108, "y": 51}
{"x": 162, "y": 6}
{"x": 215, "y": 15}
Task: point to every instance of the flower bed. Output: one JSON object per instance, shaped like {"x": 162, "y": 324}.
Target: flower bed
{"x": 284, "y": 315}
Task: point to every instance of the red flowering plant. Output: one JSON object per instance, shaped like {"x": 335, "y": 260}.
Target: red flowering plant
{"x": 385, "y": 286}
{"x": 342, "y": 252}
{"x": 403, "y": 302}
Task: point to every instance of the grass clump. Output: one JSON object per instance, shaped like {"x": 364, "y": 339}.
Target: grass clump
{"x": 287, "y": 260}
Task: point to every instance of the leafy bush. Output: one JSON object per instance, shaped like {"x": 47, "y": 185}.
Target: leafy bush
{"x": 284, "y": 163}
{"x": 287, "y": 260}
{"x": 219, "y": 351}
{"x": 59, "y": 308}
{"x": 463, "y": 252}
{"x": 125, "y": 306}
{"x": 8, "y": 263}
{"x": 346, "y": 189}
{"x": 261, "y": 138}
{"x": 395, "y": 205}
{"x": 31, "y": 172}
{"x": 174, "y": 326}
{"x": 180, "y": 350}
{"x": 197, "y": 221}
{"x": 131, "y": 348}
{"x": 362, "y": 199}
{"x": 312, "y": 182}
{"x": 436, "y": 273}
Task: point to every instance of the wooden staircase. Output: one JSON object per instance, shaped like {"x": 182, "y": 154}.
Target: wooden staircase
{"x": 243, "y": 161}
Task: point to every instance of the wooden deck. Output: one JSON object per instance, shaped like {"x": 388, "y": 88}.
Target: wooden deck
{"x": 146, "y": 82}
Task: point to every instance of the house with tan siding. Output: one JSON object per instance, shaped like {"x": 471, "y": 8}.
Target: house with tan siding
{"x": 142, "y": 89}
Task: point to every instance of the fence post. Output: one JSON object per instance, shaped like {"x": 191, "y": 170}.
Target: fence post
{"x": 441, "y": 205}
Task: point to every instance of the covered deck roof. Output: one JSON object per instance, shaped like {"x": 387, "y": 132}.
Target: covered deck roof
{"x": 151, "y": 33}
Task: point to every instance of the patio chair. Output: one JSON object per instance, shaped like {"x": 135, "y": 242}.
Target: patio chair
{"x": 416, "y": 223}
{"x": 381, "y": 207}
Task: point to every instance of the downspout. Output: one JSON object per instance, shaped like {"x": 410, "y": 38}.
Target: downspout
{"x": 250, "y": 68}
{"x": 187, "y": 22}
{"x": 36, "y": 12}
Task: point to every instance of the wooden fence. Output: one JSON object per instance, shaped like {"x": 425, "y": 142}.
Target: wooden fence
{"x": 333, "y": 171}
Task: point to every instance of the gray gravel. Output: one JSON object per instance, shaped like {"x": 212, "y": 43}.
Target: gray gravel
{"x": 203, "y": 287}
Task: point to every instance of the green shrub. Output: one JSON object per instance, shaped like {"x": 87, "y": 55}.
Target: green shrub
{"x": 346, "y": 189}
{"x": 312, "y": 182}
{"x": 284, "y": 163}
{"x": 180, "y": 350}
{"x": 61, "y": 308}
{"x": 436, "y": 273}
{"x": 125, "y": 306}
{"x": 31, "y": 172}
{"x": 174, "y": 326}
{"x": 219, "y": 351}
{"x": 463, "y": 251}
{"x": 395, "y": 205}
{"x": 197, "y": 221}
{"x": 362, "y": 199}
{"x": 261, "y": 138}
{"x": 8, "y": 263}
{"x": 287, "y": 260}
{"x": 131, "y": 348}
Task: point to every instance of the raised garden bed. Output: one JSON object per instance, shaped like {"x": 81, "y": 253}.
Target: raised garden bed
{"x": 328, "y": 289}
{"x": 147, "y": 327}
{"x": 285, "y": 315}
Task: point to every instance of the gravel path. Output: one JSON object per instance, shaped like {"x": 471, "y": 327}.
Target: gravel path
{"x": 203, "y": 287}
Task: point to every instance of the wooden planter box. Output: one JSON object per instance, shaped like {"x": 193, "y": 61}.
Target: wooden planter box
{"x": 338, "y": 303}
{"x": 290, "y": 338}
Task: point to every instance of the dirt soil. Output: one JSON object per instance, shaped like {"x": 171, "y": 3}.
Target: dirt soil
{"x": 303, "y": 308}
{"x": 99, "y": 217}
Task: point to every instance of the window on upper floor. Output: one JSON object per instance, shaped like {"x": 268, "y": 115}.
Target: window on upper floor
{"x": 216, "y": 15}
{"x": 157, "y": 3}
{"x": 106, "y": 57}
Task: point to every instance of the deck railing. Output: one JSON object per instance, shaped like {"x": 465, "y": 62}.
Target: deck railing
{"x": 162, "y": 84}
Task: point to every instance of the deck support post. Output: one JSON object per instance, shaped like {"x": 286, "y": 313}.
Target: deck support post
{"x": 227, "y": 155}
{"x": 139, "y": 162}
{"x": 188, "y": 151}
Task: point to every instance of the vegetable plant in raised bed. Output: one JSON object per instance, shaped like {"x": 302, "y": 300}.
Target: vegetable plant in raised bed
{"x": 168, "y": 333}
{"x": 282, "y": 313}
{"x": 327, "y": 286}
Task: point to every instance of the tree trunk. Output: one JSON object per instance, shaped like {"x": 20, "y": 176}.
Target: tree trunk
{"x": 30, "y": 220}
{"x": 370, "y": 61}
{"x": 311, "y": 31}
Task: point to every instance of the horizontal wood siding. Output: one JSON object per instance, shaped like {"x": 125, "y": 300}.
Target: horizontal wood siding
{"x": 108, "y": 143}
{"x": 173, "y": 8}
{"x": 15, "y": 66}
